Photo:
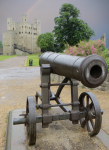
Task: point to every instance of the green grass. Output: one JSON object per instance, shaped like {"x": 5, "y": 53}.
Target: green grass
{"x": 3, "y": 57}
{"x": 63, "y": 53}
{"x": 6, "y": 118}
{"x": 35, "y": 59}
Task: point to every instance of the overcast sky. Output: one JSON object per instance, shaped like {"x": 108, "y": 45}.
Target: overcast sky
{"x": 93, "y": 12}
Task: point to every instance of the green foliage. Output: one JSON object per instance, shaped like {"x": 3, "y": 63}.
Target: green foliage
{"x": 1, "y": 45}
{"x": 46, "y": 42}
{"x": 107, "y": 62}
{"x": 58, "y": 49}
{"x": 88, "y": 48}
{"x": 68, "y": 28}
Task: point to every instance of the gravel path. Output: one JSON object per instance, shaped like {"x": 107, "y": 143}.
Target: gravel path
{"x": 17, "y": 61}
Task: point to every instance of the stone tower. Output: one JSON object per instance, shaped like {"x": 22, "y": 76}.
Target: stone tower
{"x": 103, "y": 38}
{"x": 21, "y": 33}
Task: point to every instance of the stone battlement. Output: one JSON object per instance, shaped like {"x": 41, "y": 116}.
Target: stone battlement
{"x": 22, "y": 33}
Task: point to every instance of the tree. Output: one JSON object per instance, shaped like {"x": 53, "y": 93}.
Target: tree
{"x": 1, "y": 45}
{"x": 46, "y": 42}
{"x": 68, "y": 28}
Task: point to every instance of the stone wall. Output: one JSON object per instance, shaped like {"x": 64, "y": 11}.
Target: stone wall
{"x": 18, "y": 52}
{"x": 103, "y": 38}
{"x": 103, "y": 87}
{"x": 21, "y": 33}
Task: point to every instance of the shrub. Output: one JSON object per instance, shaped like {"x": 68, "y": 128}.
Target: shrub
{"x": 107, "y": 62}
{"x": 85, "y": 48}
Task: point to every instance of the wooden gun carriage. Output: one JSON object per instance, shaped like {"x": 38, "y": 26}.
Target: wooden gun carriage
{"x": 90, "y": 70}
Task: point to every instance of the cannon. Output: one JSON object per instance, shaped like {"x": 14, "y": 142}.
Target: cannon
{"x": 85, "y": 110}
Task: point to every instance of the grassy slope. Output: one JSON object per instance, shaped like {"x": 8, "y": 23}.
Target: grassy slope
{"x": 2, "y": 57}
{"x": 35, "y": 59}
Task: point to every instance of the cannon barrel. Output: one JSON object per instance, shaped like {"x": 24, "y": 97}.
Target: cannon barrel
{"x": 91, "y": 70}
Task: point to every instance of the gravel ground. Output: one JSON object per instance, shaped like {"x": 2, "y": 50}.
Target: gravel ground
{"x": 16, "y": 85}
{"x": 14, "y": 94}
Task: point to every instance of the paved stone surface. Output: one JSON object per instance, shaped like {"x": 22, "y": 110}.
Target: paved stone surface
{"x": 19, "y": 73}
{"x": 60, "y": 135}
{"x": 17, "y": 61}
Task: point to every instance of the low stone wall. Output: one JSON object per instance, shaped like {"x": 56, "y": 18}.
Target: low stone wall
{"x": 18, "y": 52}
{"x": 103, "y": 87}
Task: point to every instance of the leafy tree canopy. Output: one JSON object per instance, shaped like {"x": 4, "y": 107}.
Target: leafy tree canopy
{"x": 46, "y": 41}
{"x": 68, "y": 28}
{"x": 1, "y": 45}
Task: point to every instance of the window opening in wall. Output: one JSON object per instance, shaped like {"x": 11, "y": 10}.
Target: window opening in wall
{"x": 25, "y": 19}
{"x": 13, "y": 28}
{"x": 29, "y": 32}
{"x": 22, "y": 32}
{"x": 22, "y": 26}
{"x": 25, "y": 26}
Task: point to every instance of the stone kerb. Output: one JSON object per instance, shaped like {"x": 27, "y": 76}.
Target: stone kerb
{"x": 103, "y": 87}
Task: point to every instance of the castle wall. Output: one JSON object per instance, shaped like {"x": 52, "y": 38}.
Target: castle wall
{"x": 8, "y": 42}
{"x": 18, "y": 52}
{"x": 25, "y": 34}
{"x": 1, "y": 50}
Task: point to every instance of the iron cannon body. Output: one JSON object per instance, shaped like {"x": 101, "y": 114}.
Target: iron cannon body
{"x": 90, "y": 70}
{"x": 85, "y": 109}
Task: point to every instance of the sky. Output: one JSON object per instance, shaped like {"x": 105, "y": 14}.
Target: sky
{"x": 93, "y": 12}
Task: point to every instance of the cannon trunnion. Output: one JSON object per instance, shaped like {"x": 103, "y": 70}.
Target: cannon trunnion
{"x": 85, "y": 110}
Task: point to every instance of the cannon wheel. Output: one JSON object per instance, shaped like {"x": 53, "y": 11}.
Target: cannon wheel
{"x": 31, "y": 124}
{"x": 61, "y": 87}
{"x": 92, "y": 121}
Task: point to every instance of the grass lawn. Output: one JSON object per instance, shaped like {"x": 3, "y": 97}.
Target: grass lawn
{"x": 3, "y": 57}
{"x": 35, "y": 59}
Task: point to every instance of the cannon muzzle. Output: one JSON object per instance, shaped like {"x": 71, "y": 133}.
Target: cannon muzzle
{"x": 91, "y": 70}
